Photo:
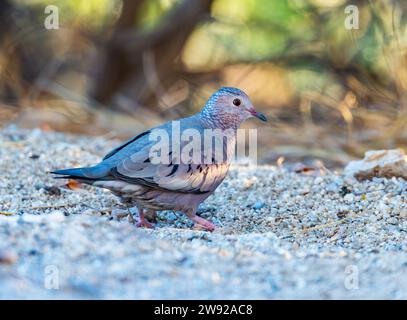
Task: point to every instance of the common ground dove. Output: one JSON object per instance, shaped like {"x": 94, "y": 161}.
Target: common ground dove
{"x": 174, "y": 166}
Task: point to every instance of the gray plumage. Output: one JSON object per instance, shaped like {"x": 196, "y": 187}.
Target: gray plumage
{"x": 174, "y": 184}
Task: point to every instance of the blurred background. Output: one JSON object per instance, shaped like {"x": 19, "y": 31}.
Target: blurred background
{"x": 115, "y": 68}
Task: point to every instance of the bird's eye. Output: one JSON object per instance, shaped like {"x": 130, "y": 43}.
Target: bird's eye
{"x": 237, "y": 102}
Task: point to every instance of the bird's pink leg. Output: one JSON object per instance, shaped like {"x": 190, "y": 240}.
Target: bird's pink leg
{"x": 201, "y": 222}
{"x": 143, "y": 223}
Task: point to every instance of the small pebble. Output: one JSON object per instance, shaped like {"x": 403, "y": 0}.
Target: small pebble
{"x": 53, "y": 190}
{"x": 258, "y": 205}
{"x": 8, "y": 257}
{"x": 292, "y": 235}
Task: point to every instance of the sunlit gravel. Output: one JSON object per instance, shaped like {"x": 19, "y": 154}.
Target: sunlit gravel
{"x": 280, "y": 234}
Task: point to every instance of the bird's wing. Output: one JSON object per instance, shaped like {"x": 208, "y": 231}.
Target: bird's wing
{"x": 188, "y": 178}
{"x": 131, "y": 163}
{"x": 141, "y": 141}
{"x": 125, "y": 144}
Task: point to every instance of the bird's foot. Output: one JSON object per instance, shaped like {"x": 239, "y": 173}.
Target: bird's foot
{"x": 144, "y": 224}
{"x": 201, "y": 223}
{"x": 142, "y": 221}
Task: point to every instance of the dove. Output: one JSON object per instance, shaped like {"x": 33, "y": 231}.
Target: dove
{"x": 160, "y": 169}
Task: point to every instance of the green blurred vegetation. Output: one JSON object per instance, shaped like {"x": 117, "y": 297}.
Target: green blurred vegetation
{"x": 332, "y": 92}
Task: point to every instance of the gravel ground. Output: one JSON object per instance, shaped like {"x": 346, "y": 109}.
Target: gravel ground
{"x": 280, "y": 235}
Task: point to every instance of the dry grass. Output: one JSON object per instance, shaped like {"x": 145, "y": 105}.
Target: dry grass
{"x": 352, "y": 113}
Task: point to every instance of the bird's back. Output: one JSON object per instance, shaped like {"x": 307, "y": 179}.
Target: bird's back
{"x": 135, "y": 163}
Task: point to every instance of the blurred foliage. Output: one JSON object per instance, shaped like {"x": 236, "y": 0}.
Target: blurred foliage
{"x": 87, "y": 14}
{"x": 333, "y": 92}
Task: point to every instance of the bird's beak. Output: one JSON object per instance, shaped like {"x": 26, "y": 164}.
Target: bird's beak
{"x": 258, "y": 115}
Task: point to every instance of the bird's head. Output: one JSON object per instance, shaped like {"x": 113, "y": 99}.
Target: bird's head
{"x": 229, "y": 107}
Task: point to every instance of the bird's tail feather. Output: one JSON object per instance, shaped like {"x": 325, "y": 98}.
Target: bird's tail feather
{"x": 75, "y": 173}
{"x": 88, "y": 174}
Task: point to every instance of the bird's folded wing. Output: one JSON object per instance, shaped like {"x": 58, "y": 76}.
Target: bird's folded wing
{"x": 188, "y": 178}
{"x": 126, "y": 144}
{"x": 131, "y": 163}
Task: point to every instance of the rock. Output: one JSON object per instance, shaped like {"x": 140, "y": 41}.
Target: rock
{"x": 379, "y": 163}
{"x": 8, "y": 257}
{"x": 349, "y": 198}
{"x": 56, "y": 216}
{"x": 312, "y": 217}
{"x": 34, "y": 156}
{"x": 118, "y": 214}
{"x": 52, "y": 190}
{"x": 258, "y": 205}
{"x": 248, "y": 183}
{"x": 32, "y": 218}
{"x": 318, "y": 180}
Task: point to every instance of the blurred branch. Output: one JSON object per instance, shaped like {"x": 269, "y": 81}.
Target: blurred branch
{"x": 127, "y": 15}
{"x": 122, "y": 59}
{"x": 5, "y": 12}
{"x": 112, "y": 66}
{"x": 179, "y": 21}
